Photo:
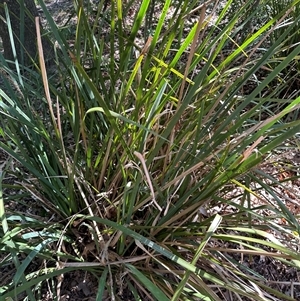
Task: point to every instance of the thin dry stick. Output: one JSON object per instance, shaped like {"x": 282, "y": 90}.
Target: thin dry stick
{"x": 141, "y": 55}
{"x": 43, "y": 69}
{"x": 99, "y": 264}
{"x": 97, "y": 230}
{"x": 193, "y": 11}
{"x": 249, "y": 150}
{"x": 141, "y": 158}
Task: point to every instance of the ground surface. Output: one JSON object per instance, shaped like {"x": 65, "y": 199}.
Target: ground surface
{"x": 80, "y": 285}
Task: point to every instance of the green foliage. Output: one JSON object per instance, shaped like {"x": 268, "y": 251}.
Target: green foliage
{"x": 134, "y": 140}
{"x": 292, "y": 10}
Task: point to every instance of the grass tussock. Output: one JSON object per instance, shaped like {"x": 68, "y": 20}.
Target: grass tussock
{"x": 134, "y": 142}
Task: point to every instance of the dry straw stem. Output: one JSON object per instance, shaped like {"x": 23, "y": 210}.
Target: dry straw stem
{"x": 141, "y": 158}
{"x": 43, "y": 69}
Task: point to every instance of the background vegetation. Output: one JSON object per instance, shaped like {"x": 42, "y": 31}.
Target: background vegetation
{"x": 142, "y": 148}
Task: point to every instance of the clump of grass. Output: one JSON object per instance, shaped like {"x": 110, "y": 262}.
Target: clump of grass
{"x": 136, "y": 150}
